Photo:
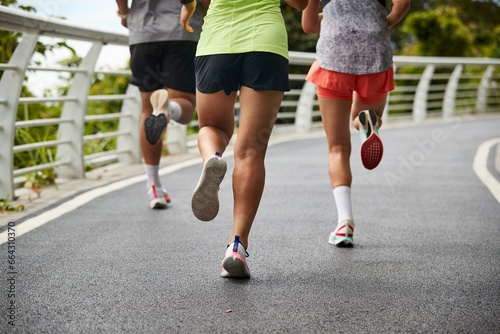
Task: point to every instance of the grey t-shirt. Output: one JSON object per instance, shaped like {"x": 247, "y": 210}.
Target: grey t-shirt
{"x": 354, "y": 37}
{"x": 159, "y": 20}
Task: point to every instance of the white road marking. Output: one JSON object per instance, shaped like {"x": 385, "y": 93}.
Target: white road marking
{"x": 480, "y": 166}
{"x": 78, "y": 201}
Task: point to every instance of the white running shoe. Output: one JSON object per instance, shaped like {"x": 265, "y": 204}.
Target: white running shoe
{"x": 343, "y": 234}
{"x": 371, "y": 145}
{"x": 158, "y": 197}
{"x": 234, "y": 264}
{"x": 205, "y": 199}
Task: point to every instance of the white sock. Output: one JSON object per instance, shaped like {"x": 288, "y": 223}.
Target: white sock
{"x": 153, "y": 176}
{"x": 342, "y": 197}
{"x": 174, "y": 111}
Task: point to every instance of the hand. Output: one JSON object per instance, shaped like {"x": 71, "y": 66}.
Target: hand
{"x": 124, "y": 22}
{"x": 186, "y": 13}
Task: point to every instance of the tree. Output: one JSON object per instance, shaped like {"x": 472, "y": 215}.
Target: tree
{"x": 439, "y": 32}
{"x": 9, "y": 40}
{"x": 493, "y": 49}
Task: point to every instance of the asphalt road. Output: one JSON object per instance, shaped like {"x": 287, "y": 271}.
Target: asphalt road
{"x": 426, "y": 259}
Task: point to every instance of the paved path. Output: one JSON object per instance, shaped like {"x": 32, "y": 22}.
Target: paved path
{"x": 426, "y": 259}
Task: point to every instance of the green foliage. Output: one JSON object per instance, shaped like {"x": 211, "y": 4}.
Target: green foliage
{"x": 104, "y": 85}
{"x": 31, "y": 135}
{"x": 5, "y": 206}
{"x": 35, "y": 181}
{"x": 492, "y": 49}
{"x": 297, "y": 39}
{"x": 439, "y": 32}
{"x": 467, "y": 28}
{"x": 8, "y": 42}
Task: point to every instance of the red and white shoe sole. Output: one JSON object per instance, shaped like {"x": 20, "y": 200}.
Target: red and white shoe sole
{"x": 372, "y": 151}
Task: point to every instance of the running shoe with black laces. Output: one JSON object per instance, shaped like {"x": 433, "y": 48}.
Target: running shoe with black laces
{"x": 371, "y": 145}
{"x": 205, "y": 199}
{"x": 343, "y": 234}
{"x": 234, "y": 264}
{"x": 156, "y": 124}
{"x": 158, "y": 197}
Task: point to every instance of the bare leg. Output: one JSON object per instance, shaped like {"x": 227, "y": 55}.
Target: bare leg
{"x": 216, "y": 117}
{"x": 150, "y": 153}
{"x": 187, "y": 102}
{"x": 258, "y": 114}
{"x": 335, "y": 117}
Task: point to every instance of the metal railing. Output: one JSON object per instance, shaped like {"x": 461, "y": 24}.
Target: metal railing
{"x": 425, "y": 87}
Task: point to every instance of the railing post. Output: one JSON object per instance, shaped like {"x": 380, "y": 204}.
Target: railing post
{"x": 420, "y": 102}
{"x": 303, "y": 116}
{"x": 10, "y": 89}
{"x": 176, "y": 137}
{"x": 72, "y": 152}
{"x": 482, "y": 91}
{"x": 385, "y": 114}
{"x": 451, "y": 92}
{"x": 129, "y": 123}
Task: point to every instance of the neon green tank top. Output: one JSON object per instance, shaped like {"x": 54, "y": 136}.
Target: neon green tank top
{"x": 240, "y": 26}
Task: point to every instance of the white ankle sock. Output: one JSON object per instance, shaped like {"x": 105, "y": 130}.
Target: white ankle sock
{"x": 342, "y": 197}
{"x": 152, "y": 173}
{"x": 174, "y": 111}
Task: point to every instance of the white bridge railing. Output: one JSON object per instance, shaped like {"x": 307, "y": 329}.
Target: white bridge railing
{"x": 425, "y": 87}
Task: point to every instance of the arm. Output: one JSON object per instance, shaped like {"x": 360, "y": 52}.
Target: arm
{"x": 297, "y": 4}
{"x": 399, "y": 10}
{"x": 187, "y": 11}
{"x": 123, "y": 10}
{"x": 204, "y": 6}
{"x": 311, "y": 18}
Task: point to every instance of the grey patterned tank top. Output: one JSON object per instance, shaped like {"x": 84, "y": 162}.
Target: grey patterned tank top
{"x": 354, "y": 37}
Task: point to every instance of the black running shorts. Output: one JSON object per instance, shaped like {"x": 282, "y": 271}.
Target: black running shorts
{"x": 261, "y": 71}
{"x": 163, "y": 64}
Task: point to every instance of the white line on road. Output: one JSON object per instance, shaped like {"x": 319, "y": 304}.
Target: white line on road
{"x": 480, "y": 166}
{"x": 72, "y": 204}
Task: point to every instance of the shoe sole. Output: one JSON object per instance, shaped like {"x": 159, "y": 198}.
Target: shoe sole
{"x": 235, "y": 267}
{"x": 343, "y": 239}
{"x": 205, "y": 199}
{"x": 344, "y": 242}
{"x": 158, "y": 203}
{"x": 372, "y": 148}
{"x": 156, "y": 124}
{"x": 159, "y": 101}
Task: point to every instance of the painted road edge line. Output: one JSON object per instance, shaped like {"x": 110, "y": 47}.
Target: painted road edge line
{"x": 74, "y": 203}
{"x": 480, "y": 166}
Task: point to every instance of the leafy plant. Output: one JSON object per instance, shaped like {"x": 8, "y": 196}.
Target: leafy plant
{"x": 5, "y": 206}
{"x": 35, "y": 181}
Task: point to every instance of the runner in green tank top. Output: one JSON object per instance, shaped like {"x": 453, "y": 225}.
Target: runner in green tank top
{"x": 252, "y": 26}
{"x": 243, "y": 46}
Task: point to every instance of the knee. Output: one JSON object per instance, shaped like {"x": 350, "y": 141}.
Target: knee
{"x": 248, "y": 155}
{"x": 340, "y": 150}
{"x": 222, "y": 132}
